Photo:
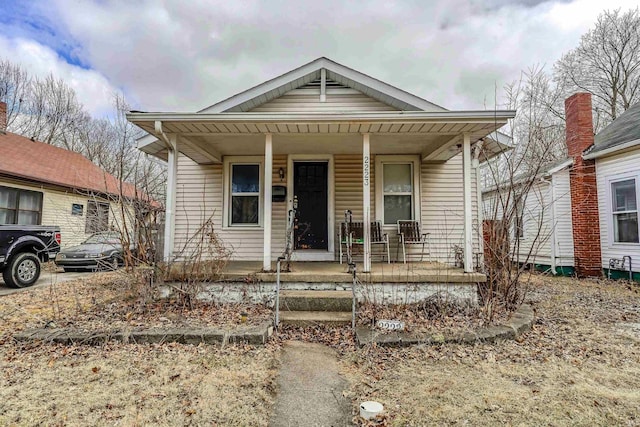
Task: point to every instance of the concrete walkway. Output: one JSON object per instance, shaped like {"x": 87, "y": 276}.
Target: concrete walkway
{"x": 310, "y": 388}
{"x": 47, "y": 278}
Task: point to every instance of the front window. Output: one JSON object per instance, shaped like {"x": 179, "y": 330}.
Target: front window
{"x": 18, "y": 206}
{"x": 245, "y": 194}
{"x": 397, "y": 192}
{"x": 625, "y": 211}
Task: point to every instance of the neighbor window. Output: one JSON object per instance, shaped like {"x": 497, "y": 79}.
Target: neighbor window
{"x": 20, "y": 206}
{"x": 245, "y": 194}
{"x": 97, "y": 217}
{"x": 625, "y": 211}
{"x": 77, "y": 209}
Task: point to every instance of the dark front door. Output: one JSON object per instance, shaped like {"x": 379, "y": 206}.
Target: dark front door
{"x": 310, "y": 187}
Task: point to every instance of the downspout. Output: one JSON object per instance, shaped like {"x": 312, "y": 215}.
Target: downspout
{"x": 552, "y": 239}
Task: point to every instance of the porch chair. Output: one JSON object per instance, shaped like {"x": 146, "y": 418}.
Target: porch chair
{"x": 409, "y": 234}
{"x": 356, "y": 229}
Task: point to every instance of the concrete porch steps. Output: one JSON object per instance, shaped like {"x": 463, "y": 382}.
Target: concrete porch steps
{"x": 305, "y": 308}
{"x": 309, "y": 318}
{"x": 316, "y": 300}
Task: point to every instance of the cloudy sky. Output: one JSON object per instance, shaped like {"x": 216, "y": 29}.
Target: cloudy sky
{"x": 185, "y": 55}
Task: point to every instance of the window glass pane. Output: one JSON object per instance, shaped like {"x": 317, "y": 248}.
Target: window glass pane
{"x": 7, "y": 216}
{"x": 8, "y": 198}
{"x": 625, "y": 228}
{"x": 29, "y": 201}
{"x": 245, "y": 179}
{"x": 28, "y": 217}
{"x": 624, "y": 195}
{"x": 244, "y": 210}
{"x": 397, "y": 178}
{"x": 396, "y": 208}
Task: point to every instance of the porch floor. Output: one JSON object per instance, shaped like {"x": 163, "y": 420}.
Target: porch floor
{"x": 334, "y": 272}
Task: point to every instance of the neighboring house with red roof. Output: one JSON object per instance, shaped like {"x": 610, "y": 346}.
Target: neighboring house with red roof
{"x": 48, "y": 185}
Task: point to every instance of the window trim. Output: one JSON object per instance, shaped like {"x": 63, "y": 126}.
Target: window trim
{"x": 380, "y": 161}
{"x": 17, "y": 209}
{"x": 227, "y": 194}
{"x": 609, "y": 181}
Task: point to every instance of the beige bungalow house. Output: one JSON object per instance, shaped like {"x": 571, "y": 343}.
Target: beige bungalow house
{"x": 334, "y": 140}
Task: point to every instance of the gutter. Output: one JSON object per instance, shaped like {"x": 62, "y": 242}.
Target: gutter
{"x": 401, "y": 116}
{"x": 612, "y": 150}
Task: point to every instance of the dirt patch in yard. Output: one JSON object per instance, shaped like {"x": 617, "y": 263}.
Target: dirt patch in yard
{"x": 580, "y": 365}
{"x": 128, "y": 384}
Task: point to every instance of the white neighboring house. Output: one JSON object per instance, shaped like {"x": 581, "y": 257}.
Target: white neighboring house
{"x": 544, "y": 225}
{"x": 616, "y": 152}
{"x": 586, "y": 207}
{"x": 337, "y": 140}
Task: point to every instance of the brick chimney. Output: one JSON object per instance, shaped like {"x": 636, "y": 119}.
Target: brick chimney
{"x": 584, "y": 195}
{"x": 3, "y": 117}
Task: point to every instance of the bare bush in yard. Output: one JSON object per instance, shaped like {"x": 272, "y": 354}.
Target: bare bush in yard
{"x": 516, "y": 193}
{"x": 201, "y": 260}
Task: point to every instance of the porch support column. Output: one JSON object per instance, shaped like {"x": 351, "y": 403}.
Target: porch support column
{"x": 268, "y": 172}
{"x": 366, "y": 201}
{"x": 170, "y": 208}
{"x": 466, "y": 191}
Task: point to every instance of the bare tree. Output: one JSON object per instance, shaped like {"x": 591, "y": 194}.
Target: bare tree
{"x": 516, "y": 190}
{"x": 14, "y": 88}
{"x": 606, "y": 64}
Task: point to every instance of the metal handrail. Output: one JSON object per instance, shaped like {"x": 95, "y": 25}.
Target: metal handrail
{"x": 286, "y": 255}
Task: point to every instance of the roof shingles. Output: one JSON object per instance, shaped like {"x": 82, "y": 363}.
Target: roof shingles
{"x": 33, "y": 160}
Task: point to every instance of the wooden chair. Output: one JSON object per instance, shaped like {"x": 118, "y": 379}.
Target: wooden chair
{"x": 409, "y": 234}
{"x": 356, "y": 230}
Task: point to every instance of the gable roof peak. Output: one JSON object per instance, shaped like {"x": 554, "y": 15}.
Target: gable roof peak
{"x": 275, "y": 87}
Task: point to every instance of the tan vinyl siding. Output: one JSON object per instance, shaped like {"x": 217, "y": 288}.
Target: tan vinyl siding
{"x": 56, "y": 210}
{"x": 200, "y": 196}
{"x": 348, "y": 189}
{"x": 442, "y": 208}
{"x": 622, "y": 165}
{"x": 305, "y": 100}
{"x": 200, "y": 193}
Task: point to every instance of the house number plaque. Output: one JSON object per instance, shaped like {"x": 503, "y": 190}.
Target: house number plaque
{"x": 392, "y": 325}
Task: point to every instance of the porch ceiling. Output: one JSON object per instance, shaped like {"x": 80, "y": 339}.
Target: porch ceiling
{"x": 206, "y": 138}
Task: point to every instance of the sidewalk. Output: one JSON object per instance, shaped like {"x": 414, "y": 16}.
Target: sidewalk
{"x": 310, "y": 388}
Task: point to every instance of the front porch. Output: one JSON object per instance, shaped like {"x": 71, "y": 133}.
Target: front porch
{"x": 336, "y": 273}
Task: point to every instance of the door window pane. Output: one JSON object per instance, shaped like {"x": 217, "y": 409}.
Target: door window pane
{"x": 397, "y": 178}
{"x": 245, "y": 179}
{"x": 397, "y": 208}
{"x": 244, "y": 209}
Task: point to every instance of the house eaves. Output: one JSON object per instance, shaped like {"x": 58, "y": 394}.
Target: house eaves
{"x": 612, "y": 150}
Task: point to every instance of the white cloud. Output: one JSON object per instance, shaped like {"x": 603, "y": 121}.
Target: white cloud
{"x": 93, "y": 89}
{"x": 183, "y": 56}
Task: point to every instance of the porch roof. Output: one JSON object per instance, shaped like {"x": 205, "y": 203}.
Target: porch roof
{"x": 207, "y": 137}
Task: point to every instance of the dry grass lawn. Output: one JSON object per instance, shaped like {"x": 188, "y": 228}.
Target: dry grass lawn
{"x": 580, "y": 365}
{"x": 118, "y": 384}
